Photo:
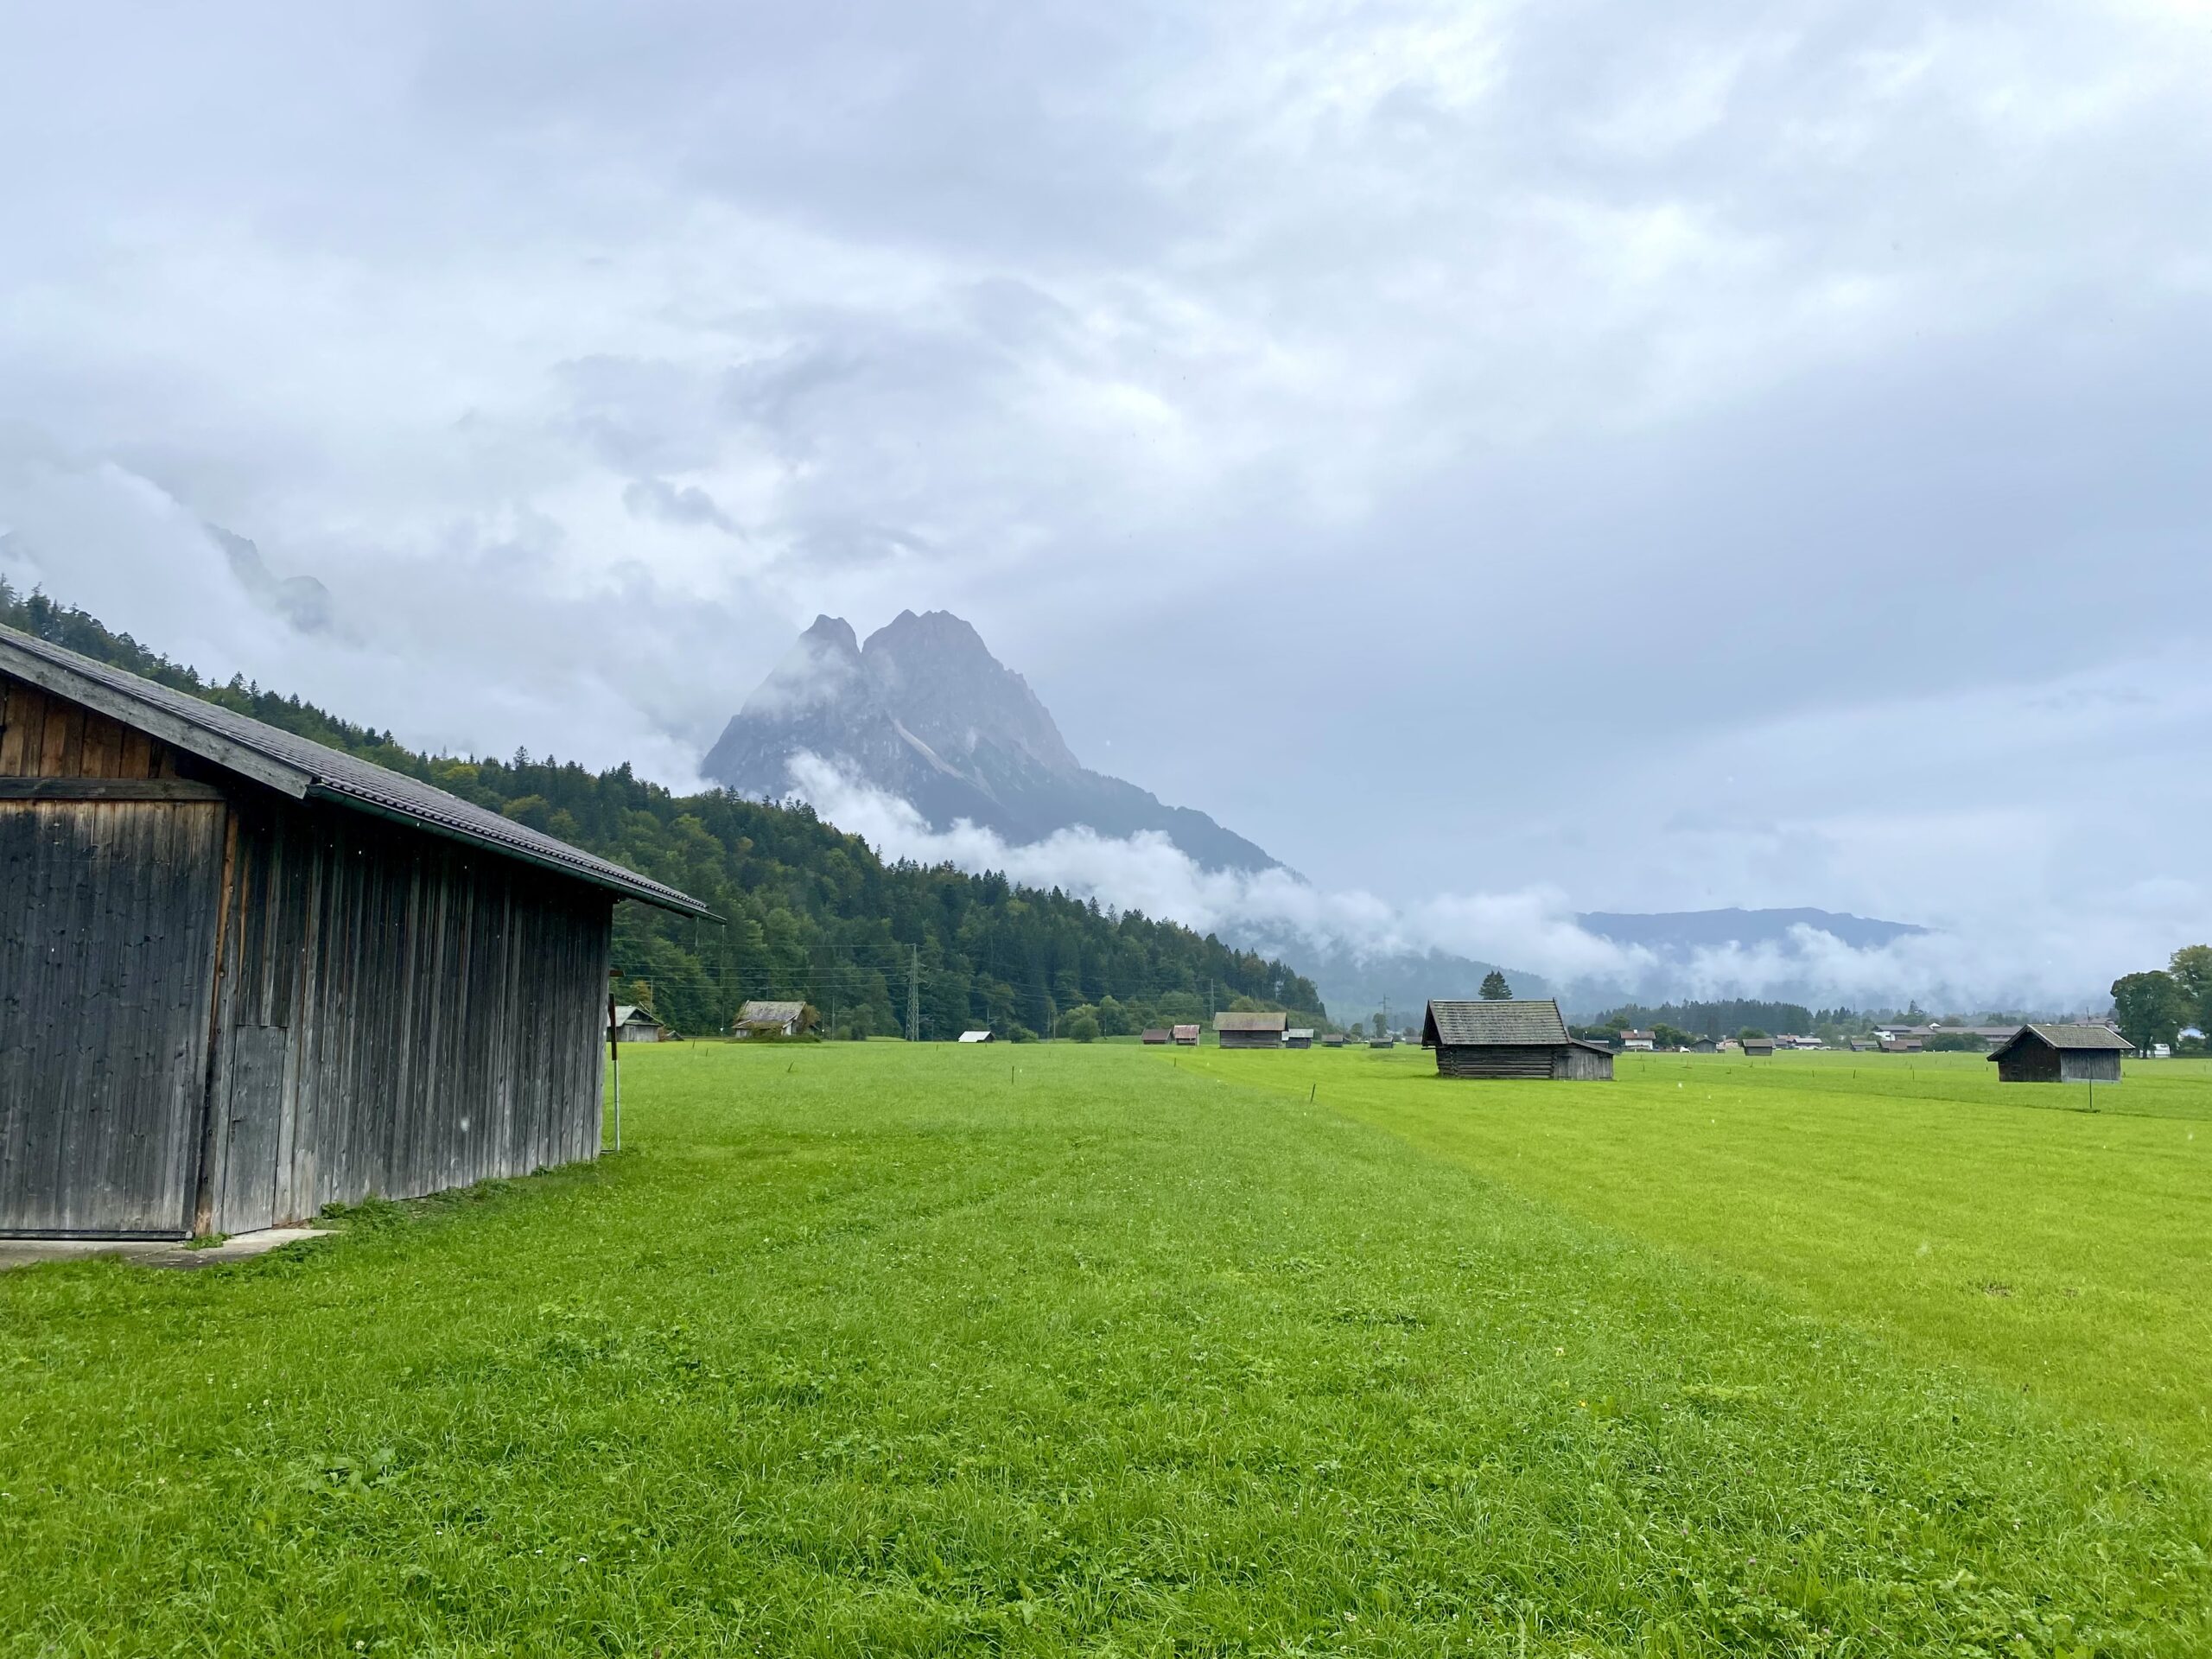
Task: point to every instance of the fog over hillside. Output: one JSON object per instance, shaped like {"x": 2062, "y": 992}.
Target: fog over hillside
{"x": 1506, "y": 463}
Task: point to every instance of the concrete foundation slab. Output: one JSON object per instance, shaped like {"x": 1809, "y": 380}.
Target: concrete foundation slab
{"x": 29, "y": 1252}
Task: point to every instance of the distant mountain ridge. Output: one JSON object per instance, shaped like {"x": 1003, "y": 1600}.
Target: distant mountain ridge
{"x": 924, "y": 712}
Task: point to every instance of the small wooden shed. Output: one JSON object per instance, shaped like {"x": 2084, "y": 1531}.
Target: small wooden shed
{"x": 1250, "y": 1030}
{"x": 1759, "y": 1046}
{"x": 1156, "y": 1037}
{"x": 765, "y": 1018}
{"x": 2062, "y": 1054}
{"x": 1297, "y": 1036}
{"x": 1515, "y": 1038}
{"x": 633, "y": 1024}
{"x": 976, "y": 1037}
{"x": 1187, "y": 1036}
{"x": 244, "y": 976}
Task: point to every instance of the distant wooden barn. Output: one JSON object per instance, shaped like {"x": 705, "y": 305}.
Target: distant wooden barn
{"x": 635, "y": 1025}
{"x": 243, "y": 975}
{"x": 1297, "y": 1036}
{"x": 2062, "y": 1054}
{"x": 1187, "y": 1036}
{"x": 1157, "y": 1037}
{"x": 1759, "y": 1045}
{"x": 1250, "y": 1030}
{"x": 977, "y": 1037}
{"x": 1510, "y": 1038}
{"x": 764, "y": 1019}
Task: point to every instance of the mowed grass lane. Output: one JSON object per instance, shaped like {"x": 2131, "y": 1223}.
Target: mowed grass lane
{"x": 868, "y": 1350}
{"x": 2064, "y": 1252}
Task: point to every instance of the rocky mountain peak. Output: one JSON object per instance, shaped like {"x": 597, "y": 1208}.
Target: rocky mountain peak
{"x": 941, "y": 680}
{"x": 925, "y": 712}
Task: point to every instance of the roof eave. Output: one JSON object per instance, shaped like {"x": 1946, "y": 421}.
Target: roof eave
{"x": 154, "y": 721}
{"x": 676, "y": 903}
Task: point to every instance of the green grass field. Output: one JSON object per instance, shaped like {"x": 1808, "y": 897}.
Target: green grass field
{"x": 869, "y": 1349}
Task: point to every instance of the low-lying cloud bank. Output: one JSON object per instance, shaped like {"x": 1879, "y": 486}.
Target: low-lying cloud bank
{"x": 1534, "y": 929}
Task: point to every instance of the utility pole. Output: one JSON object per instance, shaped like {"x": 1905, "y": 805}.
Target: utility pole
{"x": 914, "y": 995}
{"x": 614, "y": 1060}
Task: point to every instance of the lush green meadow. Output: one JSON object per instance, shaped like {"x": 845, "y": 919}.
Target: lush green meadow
{"x": 866, "y": 1349}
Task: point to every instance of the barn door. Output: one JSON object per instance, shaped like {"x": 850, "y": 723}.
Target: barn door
{"x": 106, "y": 968}
{"x": 245, "y": 1195}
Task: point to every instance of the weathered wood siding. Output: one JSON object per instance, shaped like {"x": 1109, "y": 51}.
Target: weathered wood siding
{"x": 1580, "y": 1065}
{"x": 401, "y": 1014}
{"x": 106, "y": 961}
{"x": 222, "y": 1008}
{"x": 46, "y": 737}
{"x": 1563, "y": 1061}
{"x": 2089, "y": 1065}
{"x": 1467, "y": 1061}
{"x": 107, "y": 951}
{"x": 1251, "y": 1039}
{"x": 2035, "y": 1062}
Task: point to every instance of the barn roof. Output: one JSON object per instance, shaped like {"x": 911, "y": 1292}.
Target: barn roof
{"x": 2101, "y": 1039}
{"x": 769, "y": 1013}
{"x": 1250, "y": 1022}
{"x": 625, "y": 1012}
{"x": 1504, "y": 1023}
{"x": 306, "y": 770}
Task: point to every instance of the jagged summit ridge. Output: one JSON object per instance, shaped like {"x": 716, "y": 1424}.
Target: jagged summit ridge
{"x": 924, "y": 711}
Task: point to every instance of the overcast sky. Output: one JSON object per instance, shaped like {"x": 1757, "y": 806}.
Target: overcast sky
{"x": 1656, "y": 456}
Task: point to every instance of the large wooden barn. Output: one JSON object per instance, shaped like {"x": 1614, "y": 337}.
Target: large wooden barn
{"x": 2062, "y": 1054}
{"x": 1510, "y": 1038}
{"x": 243, "y": 975}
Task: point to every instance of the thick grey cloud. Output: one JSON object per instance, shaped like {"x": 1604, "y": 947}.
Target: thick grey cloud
{"x": 1786, "y": 428}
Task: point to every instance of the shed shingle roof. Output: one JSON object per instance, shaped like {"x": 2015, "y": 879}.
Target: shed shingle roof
{"x": 306, "y": 770}
{"x": 1250, "y": 1022}
{"x": 2102, "y": 1038}
{"x": 769, "y": 1013}
{"x": 1517, "y": 1023}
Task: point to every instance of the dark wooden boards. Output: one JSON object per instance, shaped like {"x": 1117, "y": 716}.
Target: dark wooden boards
{"x": 106, "y": 965}
{"x": 441, "y": 1007}
{"x": 222, "y": 1007}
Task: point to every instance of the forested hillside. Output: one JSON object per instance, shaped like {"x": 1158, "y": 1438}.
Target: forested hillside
{"x": 812, "y": 912}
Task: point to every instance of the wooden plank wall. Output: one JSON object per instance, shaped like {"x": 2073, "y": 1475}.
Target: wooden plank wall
{"x": 445, "y": 1010}
{"x": 107, "y": 923}
{"x": 41, "y": 736}
{"x": 1466, "y": 1060}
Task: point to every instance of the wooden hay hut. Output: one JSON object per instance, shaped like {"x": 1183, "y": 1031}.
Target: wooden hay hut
{"x": 977, "y": 1037}
{"x": 244, "y": 976}
{"x": 1297, "y": 1036}
{"x": 1156, "y": 1037}
{"x": 1250, "y": 1030}
{"x": 1517, "y": 1037}
{"x": 2062, "y": 1054}
{"x": 1761, "y": 1046}
{"x": 635, "y": 1025}
{"x": 1187, "y": 1036}
{"x": 767, "y": 1019}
